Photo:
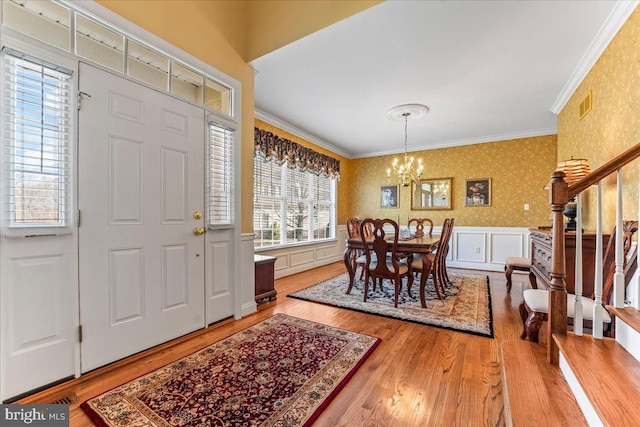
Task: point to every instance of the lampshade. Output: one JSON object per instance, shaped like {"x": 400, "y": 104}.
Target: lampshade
{"x": 574, "y": 169}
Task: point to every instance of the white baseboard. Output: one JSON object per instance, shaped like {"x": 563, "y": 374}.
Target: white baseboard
{"x": 247, "y": 309}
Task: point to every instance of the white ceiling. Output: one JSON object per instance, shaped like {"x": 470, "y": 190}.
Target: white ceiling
{"x": 488, "y": 70}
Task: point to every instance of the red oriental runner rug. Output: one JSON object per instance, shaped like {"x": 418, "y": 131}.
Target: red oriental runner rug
{"x": 282, "y": 371}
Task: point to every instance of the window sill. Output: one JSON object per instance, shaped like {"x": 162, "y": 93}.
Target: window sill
{"x": 293, "y": 245}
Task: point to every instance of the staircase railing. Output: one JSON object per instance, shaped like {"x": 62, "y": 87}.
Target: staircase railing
{"x": 560, "y": 193}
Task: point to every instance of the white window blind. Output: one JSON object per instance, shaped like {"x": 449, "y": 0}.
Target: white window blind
{"x": 267, "y": 204}
{"x": 221, "y": 176}
{"x": 291, "y": 206}
{"x": 36, "y": 142}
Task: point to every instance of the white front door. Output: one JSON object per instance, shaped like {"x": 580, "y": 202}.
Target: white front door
{"x": 141, "y": 183}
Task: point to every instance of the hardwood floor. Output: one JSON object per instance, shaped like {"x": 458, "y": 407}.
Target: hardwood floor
{"x": 418, "y": 375}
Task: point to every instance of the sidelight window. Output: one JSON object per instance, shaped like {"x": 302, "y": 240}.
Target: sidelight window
{"x": 36, "y": 142}
{"x": 220, "y": 177}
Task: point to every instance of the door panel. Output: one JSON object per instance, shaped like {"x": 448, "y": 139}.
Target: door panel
{"x": 220, "y": 276}
{"x": 39, "y": 314}
{"x": 126, "y": 202}
{"x": 141, "y": 179}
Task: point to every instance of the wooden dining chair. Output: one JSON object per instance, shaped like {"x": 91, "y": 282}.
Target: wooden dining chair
{"x": 444, "y": 244}
{"x": 420, "y": 225}
{"x": 393, "y": 268}
{"x": 434, "y": 264}
{"x": 354, "y": 229}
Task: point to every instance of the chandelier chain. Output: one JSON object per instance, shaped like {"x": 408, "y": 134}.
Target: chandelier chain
{"x": 405, "y": 172}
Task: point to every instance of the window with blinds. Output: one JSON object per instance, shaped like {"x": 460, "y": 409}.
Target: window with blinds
{"x": 36, "y": 142}
{"x": 220, "y": 177}
{"x": 291, "y": 206}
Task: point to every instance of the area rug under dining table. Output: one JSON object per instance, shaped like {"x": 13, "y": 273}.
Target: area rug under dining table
{"x": 466, "y": 306}
{"x": 282, "y": 371}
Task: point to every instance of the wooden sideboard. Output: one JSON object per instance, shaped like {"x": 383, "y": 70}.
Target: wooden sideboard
{"x": 541, "y": 258}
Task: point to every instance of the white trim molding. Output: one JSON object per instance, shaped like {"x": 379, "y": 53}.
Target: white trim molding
{"x": 247, "y": 290}
{"x": 618, "y": 16}
{"x": 469, "y": 141}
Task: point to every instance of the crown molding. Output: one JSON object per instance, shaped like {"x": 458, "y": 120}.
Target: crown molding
{"x": 618, "y": 16}
{"x": 469, "y": 141}
{"x": 278, "y": 122}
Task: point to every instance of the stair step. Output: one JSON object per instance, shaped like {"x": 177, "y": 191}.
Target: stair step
{"x": 629, "y": 315}
{"x": 608, "y": 375}
{"x": 536, "y": 393}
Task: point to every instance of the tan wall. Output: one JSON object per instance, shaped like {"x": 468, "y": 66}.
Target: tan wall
{"x": 612, "y": 126}
{"x": 255, "y": 28}
{"x": 276, "y": 23}
{"x": 188, "y": 26}
{"x": 518, "y": 170}
{"x": 344, "y": 187}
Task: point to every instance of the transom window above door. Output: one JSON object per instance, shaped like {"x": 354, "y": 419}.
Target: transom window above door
{"x": 74, "y": 31}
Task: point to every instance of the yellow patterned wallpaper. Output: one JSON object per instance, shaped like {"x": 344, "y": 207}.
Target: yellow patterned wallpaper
{"x": 518, "y": 170}
{"x": 613, "y": 124}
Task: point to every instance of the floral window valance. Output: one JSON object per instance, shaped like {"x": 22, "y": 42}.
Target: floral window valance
{"x": 271, "y": 147}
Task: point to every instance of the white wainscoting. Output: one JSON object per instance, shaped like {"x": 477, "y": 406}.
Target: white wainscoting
{"x": 486, "y": 248}
{"x": 295, "y": 259}
{"x": 476, "y": 248}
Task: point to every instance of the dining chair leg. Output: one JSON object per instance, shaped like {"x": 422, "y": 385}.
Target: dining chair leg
{"x": 435, "y": 272}
{"x": 423, "y": 283}
{"x": 443, "y": 275}
{"x": 446, "y": 274}
{"x": 441, "y": 278}
{"x": 409, "y": 285}
{"x": 398, "y": 284}
{"x": 366, "y": 285}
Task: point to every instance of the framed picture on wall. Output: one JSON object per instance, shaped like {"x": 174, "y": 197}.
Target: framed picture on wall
{"x": 478, "y": 192}
{"x": 389, "y": 196}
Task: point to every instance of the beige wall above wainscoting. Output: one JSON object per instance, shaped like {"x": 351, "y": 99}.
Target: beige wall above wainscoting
{"x": 518, "y": 169}
{"x": 613, "y": 124}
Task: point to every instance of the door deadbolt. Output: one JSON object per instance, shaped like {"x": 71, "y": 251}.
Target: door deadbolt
{"x": 197, "y": 215}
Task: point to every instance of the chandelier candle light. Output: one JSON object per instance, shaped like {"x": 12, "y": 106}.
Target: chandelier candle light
{"x": 406, "y": 171}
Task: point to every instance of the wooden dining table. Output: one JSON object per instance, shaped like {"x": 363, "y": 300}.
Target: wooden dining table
{"x": 423, "y": 246}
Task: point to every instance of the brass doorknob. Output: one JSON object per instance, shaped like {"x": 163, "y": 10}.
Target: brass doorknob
{"x": 199, "y": 231}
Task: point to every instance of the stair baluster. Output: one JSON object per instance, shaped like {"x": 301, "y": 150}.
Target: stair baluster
{"x": 578, "y": 315}
{"x": 597, "y": 285}
{"x": 618, "y": 279}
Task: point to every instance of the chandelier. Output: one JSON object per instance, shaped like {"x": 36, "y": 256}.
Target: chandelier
{"x": 407, "y": 171}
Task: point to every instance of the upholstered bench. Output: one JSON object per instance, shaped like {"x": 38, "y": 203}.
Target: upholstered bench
{"x": 516, "y": 263}
{"x": 537, "y": 309}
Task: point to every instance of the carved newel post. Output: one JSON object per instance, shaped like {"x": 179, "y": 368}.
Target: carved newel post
{"x": 559, "y": 197}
